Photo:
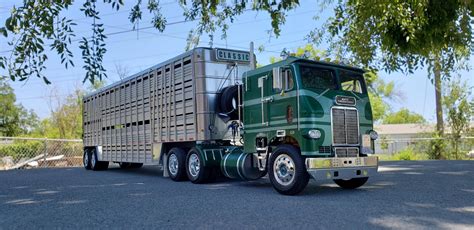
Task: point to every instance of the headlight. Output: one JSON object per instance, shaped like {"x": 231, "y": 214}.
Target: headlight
{"x": 314, "y": 134}
{"x": 373, "y": 135}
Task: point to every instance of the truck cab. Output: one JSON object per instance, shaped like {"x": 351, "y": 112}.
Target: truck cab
{"x": 306, "y": 118}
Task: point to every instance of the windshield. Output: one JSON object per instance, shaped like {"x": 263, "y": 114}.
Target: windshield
{"x": 351, "y": 81}
{"x": 317, "y": 78}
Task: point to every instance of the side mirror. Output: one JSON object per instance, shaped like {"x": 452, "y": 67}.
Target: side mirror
{"x": 277, "y": 78}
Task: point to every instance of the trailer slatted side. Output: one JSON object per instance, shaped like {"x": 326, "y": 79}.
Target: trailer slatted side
{"x": 156, "y": 106}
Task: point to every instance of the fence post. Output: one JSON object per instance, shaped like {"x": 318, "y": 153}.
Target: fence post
{"x": 45, "y": 152}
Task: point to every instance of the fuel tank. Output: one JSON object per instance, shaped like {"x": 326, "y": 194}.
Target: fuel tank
{"x": 240, "y": 165}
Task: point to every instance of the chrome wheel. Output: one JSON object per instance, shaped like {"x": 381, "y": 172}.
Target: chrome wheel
{"x": 173, "y": 164}
{"x": 93, "y": 160}
{"x": 86, "y": 159}
{"x": 284, "y": 169}
{"x": 194, "y": 165}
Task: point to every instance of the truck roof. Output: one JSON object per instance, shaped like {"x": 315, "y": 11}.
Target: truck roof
{"x": 291, "y": 60}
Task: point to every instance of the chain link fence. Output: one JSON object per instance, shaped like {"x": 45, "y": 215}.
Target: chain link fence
{"x": 391, "y": 146}
{"x": 17, "y": 152}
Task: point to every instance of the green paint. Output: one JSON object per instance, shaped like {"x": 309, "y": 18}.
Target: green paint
{"x": 307, "y": 108}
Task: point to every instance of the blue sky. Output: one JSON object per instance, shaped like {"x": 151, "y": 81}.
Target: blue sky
{"x": 136, "y": 51}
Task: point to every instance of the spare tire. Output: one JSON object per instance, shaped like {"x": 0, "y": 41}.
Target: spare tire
{"x": 228, "y": 101}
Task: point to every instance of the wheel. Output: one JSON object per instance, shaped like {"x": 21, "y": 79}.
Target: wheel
{"x": 97, "y": 165}
{"x": 352, "y": 183}
{"x": 228, "y": 101}
{"x": 124, "y": 165}
{"x": 86, "y": 159}
{"x": 195, "y": 169}
{"x": 176, "y": 164}
{"x": 287, "y": 172}
{"x": 136, "y": 165}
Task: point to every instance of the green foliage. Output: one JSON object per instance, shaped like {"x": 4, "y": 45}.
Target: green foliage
{"x": 21, "y": 149}
{"x": 35, "y": 23}
{"x": 407, "y": 154}
{"x": 437, "y": 147}
{"x": 458, "y": 104}
{"x": 403, "y": 116}
{"x": 14, "y": 119}
{"x": 406, "y": 34}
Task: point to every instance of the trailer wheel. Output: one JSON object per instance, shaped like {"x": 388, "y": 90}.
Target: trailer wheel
{"x": 97, "y": 165}
{"x": 352, "y": 183}
{"x": 177, "y": 164}
{"x": 86, "y": 159}
{"x": 197, "y": 173}
{"x": 124, "y": 165}
{"x": 287, "y": 172}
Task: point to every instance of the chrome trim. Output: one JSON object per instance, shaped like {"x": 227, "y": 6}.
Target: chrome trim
{"x": 341, "y": 162}
{"x": 332, "y": 125}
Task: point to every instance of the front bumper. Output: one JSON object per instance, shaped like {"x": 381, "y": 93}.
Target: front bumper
{"x": 341, "y": 167}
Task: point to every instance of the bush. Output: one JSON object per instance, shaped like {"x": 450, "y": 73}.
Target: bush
{"x": 19, "y": 150}
{"x": 407, "y": 154}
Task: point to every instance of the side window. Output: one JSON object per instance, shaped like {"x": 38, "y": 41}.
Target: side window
{"x": 283, "y": 81}
{"x": 288, "y": 82}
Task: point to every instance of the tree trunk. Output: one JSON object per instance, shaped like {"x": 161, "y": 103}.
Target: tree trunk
{"x": 439, "y": 107}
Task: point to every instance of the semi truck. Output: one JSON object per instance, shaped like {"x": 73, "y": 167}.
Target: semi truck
{"x": 210, "y": 112}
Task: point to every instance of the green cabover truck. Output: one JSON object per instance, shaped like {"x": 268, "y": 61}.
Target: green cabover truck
{"x": 209, "y": 112}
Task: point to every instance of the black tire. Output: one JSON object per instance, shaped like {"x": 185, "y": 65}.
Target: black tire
{"x": 136, "y": 165}
{"x": 97, "y": 165}
{"x": 124, "y": 165}
{"x": 198, "y": 174}
{"x": 292, "y": 170}
{"x": 352, "y": 183}
{"x": 228, "y": 101}
{"x": 86, "y": 159}
{"x": 177, "y": 172}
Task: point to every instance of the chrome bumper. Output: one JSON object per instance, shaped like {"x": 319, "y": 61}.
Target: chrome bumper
{"x": 341, "y": 167}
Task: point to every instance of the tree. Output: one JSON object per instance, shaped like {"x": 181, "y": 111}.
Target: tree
{"x": 14, "y": 119}
{"x": 406, "y": 35}
{"x": 403, "y": 116}
{"x": 34, "y": 24}
{"x": 459, "y": 108}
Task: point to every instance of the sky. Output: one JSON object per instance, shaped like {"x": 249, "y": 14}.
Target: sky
{"x": 138, "y": 50}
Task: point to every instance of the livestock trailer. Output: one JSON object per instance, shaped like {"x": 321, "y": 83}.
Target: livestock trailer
{"x": 209, "y": 112}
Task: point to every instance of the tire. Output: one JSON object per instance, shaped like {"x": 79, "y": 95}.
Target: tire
{"x": 124, "y": 165}
{"x": 97, "y": 165}
{"x": 352, "y": 183}
{"x": 86, "y": 159}
{"x": 228, "y": 102}
{"x": 136, "y": 165}
{"x": 287, "y": 170}
{"x": 197, "y": 173}
{"x": 176, "y": 165}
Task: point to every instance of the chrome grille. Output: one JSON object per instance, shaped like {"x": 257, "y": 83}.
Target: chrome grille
{"x": 345, "y": 126}
{"x": 347, "y": 152}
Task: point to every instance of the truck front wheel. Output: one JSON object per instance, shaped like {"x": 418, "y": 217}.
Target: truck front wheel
{"x": 287, "y": 170}
{"x": 352, "y": 183}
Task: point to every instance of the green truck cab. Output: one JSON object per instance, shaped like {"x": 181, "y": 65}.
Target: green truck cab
{"x": 305, "y": 118}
